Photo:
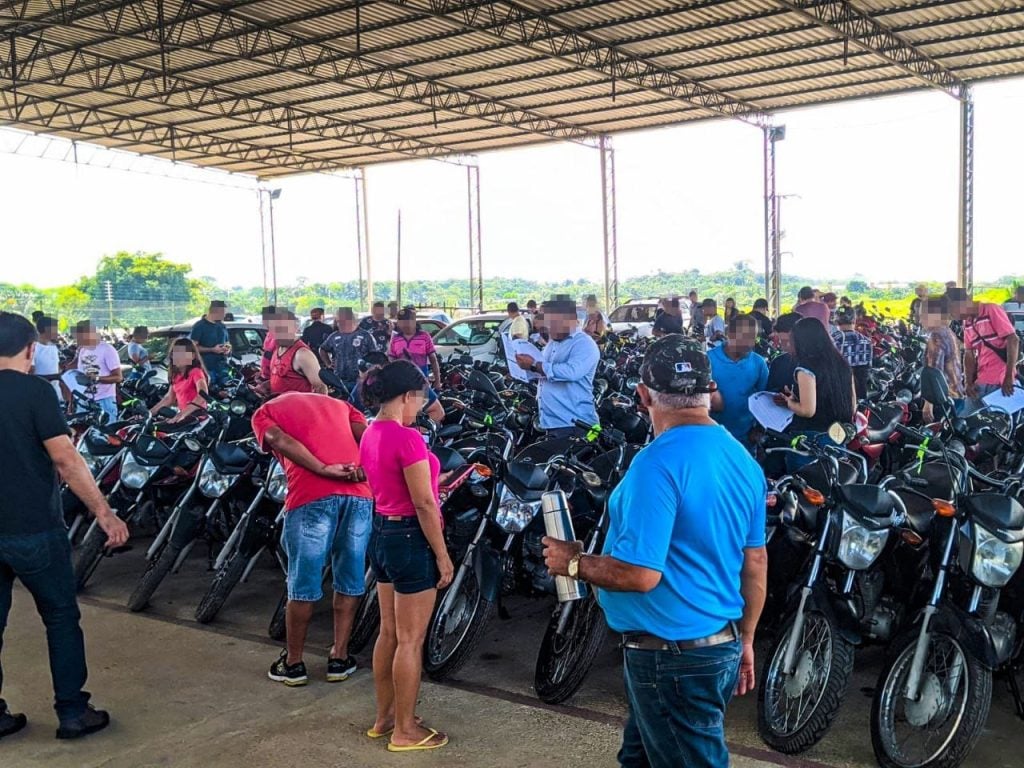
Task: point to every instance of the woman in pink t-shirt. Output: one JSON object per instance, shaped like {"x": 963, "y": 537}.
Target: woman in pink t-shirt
{"x": 189, "y": 381}
{"x": 407, "y": 549}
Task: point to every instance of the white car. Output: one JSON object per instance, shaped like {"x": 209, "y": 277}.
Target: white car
{"x": 246, "y": 342}
{"x": 639, "y": 314}
{"x": 476, "y": 336}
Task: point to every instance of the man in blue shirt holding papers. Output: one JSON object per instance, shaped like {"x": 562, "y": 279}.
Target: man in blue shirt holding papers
{"x": 682, "y": 577}
{"x": 565, "y": 391}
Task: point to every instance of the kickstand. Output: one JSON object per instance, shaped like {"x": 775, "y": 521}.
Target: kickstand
{"x": 1014, "y": 686}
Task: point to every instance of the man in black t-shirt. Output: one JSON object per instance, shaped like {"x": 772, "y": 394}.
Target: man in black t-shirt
{"x": 34, "y": 545}
{"x": 670, "y": 320}
{"x": 378, "y": 326}
{"x": 317, "y": 331}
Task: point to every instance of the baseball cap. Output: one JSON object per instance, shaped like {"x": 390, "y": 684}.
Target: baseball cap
{"x": 673, "y": 366}
{"x": 407, "y": 314}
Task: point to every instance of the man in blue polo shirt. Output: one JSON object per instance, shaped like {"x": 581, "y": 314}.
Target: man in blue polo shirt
{"x": 211, "y": 337}
{"x": 683, "y": 573}
{"x": 739, "y": 372}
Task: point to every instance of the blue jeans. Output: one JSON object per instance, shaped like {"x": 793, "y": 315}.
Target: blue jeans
{"x": 108, "y": 405}
{"x": 677, "y": 702}
{"x": 334, "y": 529}
{"x": 42, "y": 562}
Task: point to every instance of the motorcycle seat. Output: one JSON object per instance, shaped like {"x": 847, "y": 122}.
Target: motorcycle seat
{"x": 868, "y": 502}
{"x": 526, "y": 480}
{"x": 1001, "y": 515}
{"x": 230, "y": 459}
{"x": 450, "y": 458}
{"x": 100, "y": 446}
{"x": 886, "y": 417}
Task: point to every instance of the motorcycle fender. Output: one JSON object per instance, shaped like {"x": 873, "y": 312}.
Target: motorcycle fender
{"x": 969, "y": 632}
{"x": 186, "y": 526}
{"x": 487, "y": 567}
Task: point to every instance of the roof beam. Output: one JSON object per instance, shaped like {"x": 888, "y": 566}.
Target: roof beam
{"x": 860, "y": 29}
{"x": 120, "y": 131}
{"x": 109, "y": 75}
{"x": 533, "y": 30}
{"x": 236, "y": 37}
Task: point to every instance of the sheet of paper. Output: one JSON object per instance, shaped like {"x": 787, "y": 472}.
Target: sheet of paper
{"x": 515, "y": 347}
{"x": 767, "y": 413}
{"x": 1010, "y": 404}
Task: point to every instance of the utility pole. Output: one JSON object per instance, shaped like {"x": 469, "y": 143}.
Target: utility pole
{"x": 110, "y": 302}
{"x": 398, "y": 277}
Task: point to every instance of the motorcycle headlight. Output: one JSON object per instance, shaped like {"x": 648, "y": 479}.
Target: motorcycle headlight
{"x": 237, "y": 407}
{"x": 994, "y": 562}
{"x": 513, "y": 514}
{"x": 133, "y": 474}
{"x": 94, "y": 463}
{"x": 212, "y": 483}
{"x": 859, "y": 547}
{"x": 277, "y": 486}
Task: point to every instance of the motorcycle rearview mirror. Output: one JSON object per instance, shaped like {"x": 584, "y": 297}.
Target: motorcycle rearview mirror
{"x": 904, "y": 396}
{"x": 591, "y": 479}
{"x": 82, "y": 380}
{"x": 632, "y": 383}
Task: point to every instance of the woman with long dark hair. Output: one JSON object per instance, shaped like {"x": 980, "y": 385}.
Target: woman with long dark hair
{"x": 407, "y": 549}
{"x": 823, "y": 383}
{"x": 190, "y": 383}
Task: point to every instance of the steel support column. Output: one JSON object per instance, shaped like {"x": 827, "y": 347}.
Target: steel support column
{"x": 475, "y": 231}
{"x": 362, "y": 240}
{"x": 263, "y": 243}
{"x": 611, "y": 237}
{"x": 772, "y": 227}
{"x": 965, "y": 254}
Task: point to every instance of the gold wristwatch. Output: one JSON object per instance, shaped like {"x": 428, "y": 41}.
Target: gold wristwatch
{"x": 574, "y": 566}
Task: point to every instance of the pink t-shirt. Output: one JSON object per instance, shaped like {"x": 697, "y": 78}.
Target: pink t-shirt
{"x": 186, "y": 387}
{"x": 815, "y": 309}
{"x": 418, "y": 349}
{"x": 386, "y": 449}
{"x": 103, "y": 358}
{"x": 992, "y": 324}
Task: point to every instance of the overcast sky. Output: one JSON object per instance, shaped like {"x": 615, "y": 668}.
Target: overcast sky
{"x": 875, "y": 186}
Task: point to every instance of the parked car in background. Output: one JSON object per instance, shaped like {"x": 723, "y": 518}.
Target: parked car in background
{"x": 476, "y": 336}
{"x": 246, "y": 344}
{"x": 639, "y": 314}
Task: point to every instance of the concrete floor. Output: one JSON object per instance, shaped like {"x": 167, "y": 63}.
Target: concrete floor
{"x": 185, "y": 695}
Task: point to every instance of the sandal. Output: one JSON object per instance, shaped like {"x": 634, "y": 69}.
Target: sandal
{"x": 372, "y": 734}
{"x": 423, "y": 745}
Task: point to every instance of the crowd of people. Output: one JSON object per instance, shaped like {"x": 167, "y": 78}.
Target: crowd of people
{"x": 359, "y": 490}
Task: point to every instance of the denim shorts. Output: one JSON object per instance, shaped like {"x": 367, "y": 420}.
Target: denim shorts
{"x": 335, "y": 528}
{"x": 401, "y": 556}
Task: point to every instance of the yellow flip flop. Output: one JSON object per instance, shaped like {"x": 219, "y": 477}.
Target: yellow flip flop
{"x": 422, "y": 746}
{"x": 372, "y": 734}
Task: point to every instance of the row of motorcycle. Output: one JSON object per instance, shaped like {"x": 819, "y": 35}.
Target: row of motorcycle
{"x": 897, "y": 534}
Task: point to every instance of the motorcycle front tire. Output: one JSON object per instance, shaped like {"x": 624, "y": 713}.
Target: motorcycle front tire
{"x": 578, "y": 659}
{"x": 88, "y": 556}
{"x": 156, "y": 571}
{"x": 837, "y": 679}
{"x": 975, "y": 714}
{"x": 224, "y": 582}
{"x": 479, "y": 620}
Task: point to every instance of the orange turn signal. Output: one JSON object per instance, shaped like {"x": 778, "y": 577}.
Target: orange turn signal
{"x": 912, "y": 538}
{"x": 482, "y": 470}
{"x": 944, "y": 508}
{"x": 813, "y": 496}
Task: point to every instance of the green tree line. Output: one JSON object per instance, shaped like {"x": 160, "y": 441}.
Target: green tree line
{"x": 146, "y": 288}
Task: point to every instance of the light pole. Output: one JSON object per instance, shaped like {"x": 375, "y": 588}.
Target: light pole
{"x": 274, "y": 194}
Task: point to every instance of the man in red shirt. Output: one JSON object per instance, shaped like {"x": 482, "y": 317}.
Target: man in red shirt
{"x": 328, "y": 512}
{"x": 294, "y": 367}
{"x": 991, "y": 347}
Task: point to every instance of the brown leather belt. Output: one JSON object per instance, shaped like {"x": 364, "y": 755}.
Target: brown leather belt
{"x": 641, "y": 641}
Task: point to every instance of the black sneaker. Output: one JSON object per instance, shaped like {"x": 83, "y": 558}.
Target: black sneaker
{"x": 10, "y": 723}
{"x": 292, "y": 675}
{"x": 339, "y": 670}
{"x": 90, "y": 721}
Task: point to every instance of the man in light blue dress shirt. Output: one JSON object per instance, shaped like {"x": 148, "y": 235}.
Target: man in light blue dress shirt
{"x": 565, "y": 392}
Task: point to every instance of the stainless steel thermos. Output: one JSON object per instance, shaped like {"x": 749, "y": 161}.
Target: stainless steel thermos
{"x": 558, "y": 525}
